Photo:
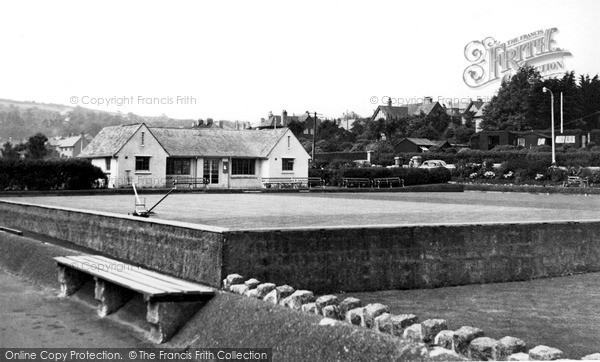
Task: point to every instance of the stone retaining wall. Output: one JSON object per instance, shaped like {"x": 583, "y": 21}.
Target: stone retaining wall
{"x": 183, "y": 250}
{"x": 330, "y": 259}
{"x": 410, "y": 257}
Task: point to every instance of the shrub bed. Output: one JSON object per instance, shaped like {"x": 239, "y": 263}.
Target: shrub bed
{"x": 48, "y": 174}
{"x": 567, "y": 158}
{"x": 529, "y": 169}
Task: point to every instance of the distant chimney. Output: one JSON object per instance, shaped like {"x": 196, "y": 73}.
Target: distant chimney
{"x": 209, "y": 121}
{"x": 389, "y": 101}
{"x": 479, "y": 99}
{"x": 221, "y": 123}
{"x": 237, "y": 125}
{"x": 284, "y": 118}
{"x": 427, "y": 100}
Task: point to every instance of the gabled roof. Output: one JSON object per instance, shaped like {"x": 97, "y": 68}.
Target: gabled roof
{"x": 69, "y": 142}
{"x": 415, "y": 109}
{"x": 480, "y": 110}
{"x": 392, "y": 111}
{"x": 54, "y": 141}
{"x": 411, "y": 109}
{"x": 190, "y": 142}
{"x": 423, "y": 141}
{"x": 109, "y": 141}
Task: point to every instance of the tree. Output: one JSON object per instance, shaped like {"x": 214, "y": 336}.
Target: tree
{"x": 36, "y": 146}
{"x": 511, "y": 107}
{"x": 9, "y": 152}
{"x": 296, "y": 127}
{"x": 463, "y": 134}
{"x": 521, "y": 103}
{"x": 589, "y": 91}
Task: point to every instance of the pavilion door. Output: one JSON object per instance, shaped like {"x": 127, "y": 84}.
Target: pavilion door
{"x": 211, "y": 170}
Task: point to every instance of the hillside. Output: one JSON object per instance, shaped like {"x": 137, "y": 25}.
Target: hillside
{"x": 51, "y": 107}
{"x": 19, "y": 120}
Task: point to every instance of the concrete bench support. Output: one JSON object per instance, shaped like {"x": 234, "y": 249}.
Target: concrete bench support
{"x": 166, "y": 318}
{"x": 111, "y": 296}
{"x": 70, "y": 280}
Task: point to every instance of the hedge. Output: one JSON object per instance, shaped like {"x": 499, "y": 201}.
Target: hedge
{"x": 569, "y": 158}
{"x": 411, "y": 176}
{"x": 48, "y": 174}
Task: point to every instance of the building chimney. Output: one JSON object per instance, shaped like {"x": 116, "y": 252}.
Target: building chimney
{"x": 284, "y": 118}
{"x": 237, "y": 125}
{"x": 389, "y": 101}
{"x": 427, "y": 100}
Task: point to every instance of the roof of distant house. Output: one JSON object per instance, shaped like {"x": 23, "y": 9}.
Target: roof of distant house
{"x": 273, "y": 121}
{"x": 411, "y": 109}
{"x": 479, "y": 108}
{"x": 424, "y": 142}
{"x": 69, "y": 142}
{"x": 393, "y": 111}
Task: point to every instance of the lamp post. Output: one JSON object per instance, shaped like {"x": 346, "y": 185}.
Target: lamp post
{"x": 552, "y": 121}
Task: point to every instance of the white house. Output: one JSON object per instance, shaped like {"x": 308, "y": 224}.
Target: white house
{"x": 154, "y": 157}
{"x": 70, "y": 146}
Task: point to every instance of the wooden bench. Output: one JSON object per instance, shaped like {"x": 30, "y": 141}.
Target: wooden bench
{"x": 309, "y": 181}
{"x": 576, "y": 181}
{"x": 390, "y": 181}
{"x": 280, "y": 182}
{"x": 356, "y": 181}
{"x": 170, "y": 302}
{"x": 192, "y": 182}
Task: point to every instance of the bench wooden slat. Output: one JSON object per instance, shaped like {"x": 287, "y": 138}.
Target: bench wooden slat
{"x": 116, "y": 279}
{"x": 143, "y": 276}
{"x": 187, "y": 287}
{"x": 388, "y": 180}
{"x": 358, "y": 181}
{"x": 576, "y": 180}
{"x": 292, "y": 181}
{"x": 131, "y": 274}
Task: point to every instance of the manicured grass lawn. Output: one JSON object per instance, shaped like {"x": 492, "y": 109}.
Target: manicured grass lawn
{"x": 556, "y": 312}
{"x": 247, "y": 211}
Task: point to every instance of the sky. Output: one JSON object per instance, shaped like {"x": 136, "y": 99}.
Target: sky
{"x": 239, "y": 60}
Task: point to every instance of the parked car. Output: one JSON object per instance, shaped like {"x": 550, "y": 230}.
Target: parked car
{"x": 436, "y": 163}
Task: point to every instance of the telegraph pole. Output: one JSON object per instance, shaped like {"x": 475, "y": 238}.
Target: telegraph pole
{"x": 314, "y": 137}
